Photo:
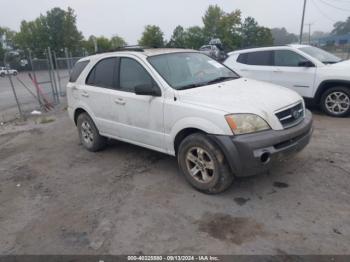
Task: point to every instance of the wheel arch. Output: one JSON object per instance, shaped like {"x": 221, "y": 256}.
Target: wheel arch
{"x": 182, "y": 134}
{"x": 188, "y": 126}
{"x": 327, "y": 84}
{"x": 77, "y": 112}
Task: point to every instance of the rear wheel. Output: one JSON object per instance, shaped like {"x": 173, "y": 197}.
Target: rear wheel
{"x": 2, "y": 74}
{"x": 336, "y": 101}
{"x": 89, "y": 135}
{"x": 14, "y": 73}
{"x": 203, "y": 164}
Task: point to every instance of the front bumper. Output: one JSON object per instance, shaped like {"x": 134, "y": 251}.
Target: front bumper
{"x": 252, "y": 154}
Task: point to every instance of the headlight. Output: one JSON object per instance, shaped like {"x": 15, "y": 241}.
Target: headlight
{"x": 246, "y": 123}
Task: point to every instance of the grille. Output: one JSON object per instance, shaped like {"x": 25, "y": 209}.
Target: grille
{"x": 291, "y": 116}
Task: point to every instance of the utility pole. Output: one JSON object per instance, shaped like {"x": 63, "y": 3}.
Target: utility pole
{"x": 302, "y": 24}
{"x": 95, "y": 44}
{"x": 309, "y": 25}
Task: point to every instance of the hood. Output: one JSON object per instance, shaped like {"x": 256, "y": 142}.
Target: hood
{"x": 242, "y": 96}
{"x": 345, "y": 63}
{"x": 339, "y": 70}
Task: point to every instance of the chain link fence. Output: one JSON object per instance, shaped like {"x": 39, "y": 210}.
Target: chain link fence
{"x": 38, "y": 89}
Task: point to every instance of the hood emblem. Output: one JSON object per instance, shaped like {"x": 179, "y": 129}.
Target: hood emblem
{"x": 296, "y": 114}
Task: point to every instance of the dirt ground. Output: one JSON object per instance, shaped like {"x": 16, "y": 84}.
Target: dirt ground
{"x": 57, "y": 198}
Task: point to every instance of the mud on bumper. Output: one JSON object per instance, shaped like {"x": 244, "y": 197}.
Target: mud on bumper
{"x": 252, "y": 154}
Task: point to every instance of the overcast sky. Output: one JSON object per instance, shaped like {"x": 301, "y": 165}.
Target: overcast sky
{"x": 127, "y": 18}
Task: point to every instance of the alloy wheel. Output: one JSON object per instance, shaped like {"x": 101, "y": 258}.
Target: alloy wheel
{"x": 337, "y": 102}
{"x": 87, "y": 133}
{"x": 200, "y": 164}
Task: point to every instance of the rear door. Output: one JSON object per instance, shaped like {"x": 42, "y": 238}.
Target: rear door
{"x": 97, "y": 92}
{"x": 256, "y": 65}
{"x": 290, "y": 70}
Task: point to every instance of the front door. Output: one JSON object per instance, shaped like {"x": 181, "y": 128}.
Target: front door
{"x": 140, "y": 116}
{"x": 290, "y": 71}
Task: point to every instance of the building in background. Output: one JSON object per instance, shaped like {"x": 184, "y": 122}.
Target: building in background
{"x": 333, "y": 40}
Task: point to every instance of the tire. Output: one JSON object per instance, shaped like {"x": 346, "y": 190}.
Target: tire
{"x": 336, "y": 102}
{"x": 213, "y": 175}
{"x": 2, "y": 74}
{"x": 89, "y": 134}
{"x": 14, "y": 73}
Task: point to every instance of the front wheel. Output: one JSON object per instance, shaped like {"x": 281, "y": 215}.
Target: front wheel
{"x": 14, "y": 73}
{"x": 203, "y": 164}
{"x": 2, "y": 74}
{"x": 336, "y": 101}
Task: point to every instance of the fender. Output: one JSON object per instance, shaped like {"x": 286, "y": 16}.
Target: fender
{"x": 190, "y": 122}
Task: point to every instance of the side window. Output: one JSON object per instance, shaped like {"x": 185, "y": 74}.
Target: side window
{"x": 288, "y": 58}
{"x": 103, "y": 73}
{"x": 261, "y": 58}
{"x": 77, "y": 69}
{"x": 132, "y": 74}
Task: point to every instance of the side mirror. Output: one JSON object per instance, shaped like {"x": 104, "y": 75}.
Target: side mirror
{"x": 147, "y": 90}
{"x": 306, "y": 64}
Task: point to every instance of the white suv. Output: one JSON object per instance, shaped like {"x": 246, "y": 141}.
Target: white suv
{"x": 5, "y": 71}
{"x": 184, "y": 103}
{"x": 320, "y": 77}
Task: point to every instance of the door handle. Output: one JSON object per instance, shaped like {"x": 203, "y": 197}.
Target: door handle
{"x": 244, "y": 70}
{"x": 277, "y": 71}
{"x": 85, "y": 94}
{"x": 119, "y": 101}
{"x": 74, "y": 88}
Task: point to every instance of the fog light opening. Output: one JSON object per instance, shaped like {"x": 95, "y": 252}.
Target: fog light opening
{"x": 265, "y": 158}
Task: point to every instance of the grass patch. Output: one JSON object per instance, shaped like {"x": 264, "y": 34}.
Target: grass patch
{"x": 46, "y": 120}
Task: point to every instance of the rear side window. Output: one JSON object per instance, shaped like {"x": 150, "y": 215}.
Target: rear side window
{"x": 77, "y": 69}
{"x": 132, "y": 74}
{"x": 103, "y": 74}
{"x": 261, "y": 58}
{"x": 288, "y": 58}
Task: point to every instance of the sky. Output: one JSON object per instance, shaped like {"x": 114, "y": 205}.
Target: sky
{"x": 127, "y": 18}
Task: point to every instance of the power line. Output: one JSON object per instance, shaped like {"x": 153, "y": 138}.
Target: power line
{"x": 336, "y": 7}
{"x": 323, "y": 13}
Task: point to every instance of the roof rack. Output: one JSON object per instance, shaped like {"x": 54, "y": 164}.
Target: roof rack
{"x": 135, "y": 48}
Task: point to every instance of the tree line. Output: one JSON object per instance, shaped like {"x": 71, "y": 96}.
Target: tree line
{"x": 58, "y": 30}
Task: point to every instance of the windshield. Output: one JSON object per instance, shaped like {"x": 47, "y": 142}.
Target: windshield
{"x": 321, "y": 55}
{"x": 190, "y": 70}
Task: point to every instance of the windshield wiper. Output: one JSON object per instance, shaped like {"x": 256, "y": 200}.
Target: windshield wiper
{"x": 190, "y": 86}
{"x": 220, "y": 79}
{"x": 332, "y": 62}
{"x": 216, "y": 80}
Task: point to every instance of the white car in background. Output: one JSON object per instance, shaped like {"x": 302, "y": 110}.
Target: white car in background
{"x": 320, "y": 77}
{"x": 5, "y": 71}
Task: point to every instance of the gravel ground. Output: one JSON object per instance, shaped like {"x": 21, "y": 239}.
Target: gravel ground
{"x": 57, "y": 198}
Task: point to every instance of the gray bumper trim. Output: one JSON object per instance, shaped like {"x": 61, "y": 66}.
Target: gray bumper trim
{"x": 244, "y": 152}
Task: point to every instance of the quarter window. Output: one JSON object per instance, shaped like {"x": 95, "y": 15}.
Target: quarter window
{"x": 77, "y": 69}
{"x": 132, "y": 74}
{"x": 288, "y": 58}
{"x": 103, "y": 73}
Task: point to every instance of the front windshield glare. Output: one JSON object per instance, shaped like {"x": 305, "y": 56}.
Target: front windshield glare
{"x": 190, "y": 70}
{"x": 321, "y": 55}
